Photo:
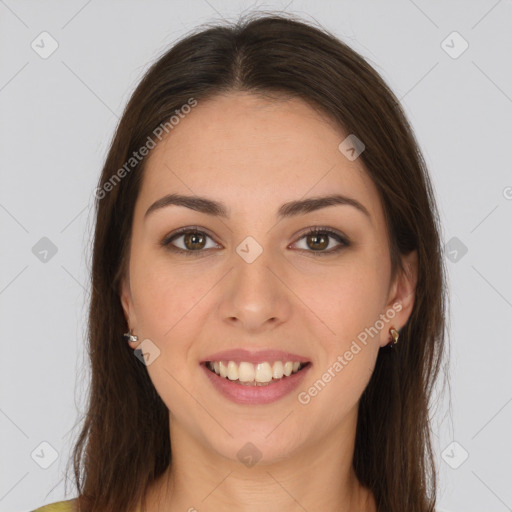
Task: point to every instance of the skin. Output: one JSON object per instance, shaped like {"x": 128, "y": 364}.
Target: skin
{"x": 253, "y": 155}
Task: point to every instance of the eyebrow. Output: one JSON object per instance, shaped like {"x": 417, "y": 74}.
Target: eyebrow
{"x": 289, "y": 209}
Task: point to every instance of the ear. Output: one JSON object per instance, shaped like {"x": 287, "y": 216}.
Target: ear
{"x": 401, "y": 297}
{"x": 128, "y": 307}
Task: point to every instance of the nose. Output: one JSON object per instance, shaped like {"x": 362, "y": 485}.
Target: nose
{"x": 255, "y": 297}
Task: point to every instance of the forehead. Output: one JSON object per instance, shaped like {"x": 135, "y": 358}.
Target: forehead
{"x": 240, "y": 148}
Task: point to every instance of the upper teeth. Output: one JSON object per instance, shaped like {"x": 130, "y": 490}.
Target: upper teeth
{"x": 248, "y": 372}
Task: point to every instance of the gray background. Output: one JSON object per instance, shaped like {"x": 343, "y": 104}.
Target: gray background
{"x": 58, "y": 115}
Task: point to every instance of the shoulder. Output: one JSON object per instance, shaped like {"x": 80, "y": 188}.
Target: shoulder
{"x": 59, "y": 506}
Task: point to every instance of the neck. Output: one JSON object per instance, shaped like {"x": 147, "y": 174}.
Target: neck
{"x": 319, "y": 476}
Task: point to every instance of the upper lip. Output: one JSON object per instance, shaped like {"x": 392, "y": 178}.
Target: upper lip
{"x": 238, "y": 355}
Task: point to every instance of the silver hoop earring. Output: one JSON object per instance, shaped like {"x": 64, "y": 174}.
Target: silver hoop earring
{"x": 131, "y": 337}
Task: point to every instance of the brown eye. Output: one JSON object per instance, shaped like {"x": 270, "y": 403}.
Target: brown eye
{"x": 194, "y": 240}
{"x": 188, "y": 241}
{"x": 317, "y": 240}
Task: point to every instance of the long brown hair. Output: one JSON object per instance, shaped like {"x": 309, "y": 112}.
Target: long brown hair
{"x": 124, "y": 443}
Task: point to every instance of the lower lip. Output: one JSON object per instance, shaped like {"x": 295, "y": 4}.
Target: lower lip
{"x": 242, "y": 394}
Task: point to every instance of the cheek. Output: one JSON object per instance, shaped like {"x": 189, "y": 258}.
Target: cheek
{"x": 346, "y": 298}
{"x": 167, "y": 303}
{"x": 349, "y": 305}
{"x": 165, "y": 296}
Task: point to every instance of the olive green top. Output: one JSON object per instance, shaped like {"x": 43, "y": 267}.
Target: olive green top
{"x": 60, "y": 506}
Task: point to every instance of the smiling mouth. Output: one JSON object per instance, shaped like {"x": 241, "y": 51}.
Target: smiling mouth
{"x": 249, "y": 374}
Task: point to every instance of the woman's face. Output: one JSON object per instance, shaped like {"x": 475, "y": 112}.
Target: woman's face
{"x": 253, "y": 279}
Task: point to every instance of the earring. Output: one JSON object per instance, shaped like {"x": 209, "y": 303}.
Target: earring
{"x": 394, "y": 334}
{"x": 130, "y": 336}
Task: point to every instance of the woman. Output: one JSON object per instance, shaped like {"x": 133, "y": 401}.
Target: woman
{"x": 267, "y": 241}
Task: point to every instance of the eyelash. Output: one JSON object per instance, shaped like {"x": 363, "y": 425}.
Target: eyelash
{"x": 344, "y": 242}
